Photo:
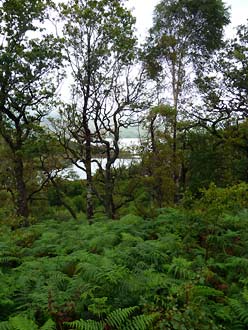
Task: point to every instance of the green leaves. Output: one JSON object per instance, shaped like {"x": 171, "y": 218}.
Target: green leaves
{"x": 120, "y": 319}
{"x": 192, "y": 24}
{"x": 22, "y": 323}
{"x": 30, "y": 63}
{"x": 181, "y": 269}
{"x": 18, "y": 323}
{"x": 105, "y": 25}
{"x": 86, "y": 325}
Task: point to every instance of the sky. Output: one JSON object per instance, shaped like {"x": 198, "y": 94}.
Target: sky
{"x": 143, "y": 11}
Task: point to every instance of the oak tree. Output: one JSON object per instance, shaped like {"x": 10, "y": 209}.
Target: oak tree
{"x": 100, "y": 45}
{"x": 29, "y": 60}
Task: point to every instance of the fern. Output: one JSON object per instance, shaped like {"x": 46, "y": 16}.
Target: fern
{"x": 18, "y": 323}
{"x": 120, "y": 319}
{"x": 140, "y": 322}
{"x": 9, "y": 261}
{"x": 6, "y": 325}
{"x": 70, "y": 272}
{"x": 205, "y": 291}
{"x": 22, "y": 323}
{"x": 60, "y": 281}
{"x": 85, "y": 325}
{"x": 49, "y": 325}
{"x": 240, "y": 310}
{"x": 180, "y": 268}
{"x": 119, "y": 316}
{"x": 238, "y": 262}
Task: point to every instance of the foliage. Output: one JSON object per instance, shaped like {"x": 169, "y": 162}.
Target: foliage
{"x": 29, "y": 74}
{"x": 223, "y": 156}
{"x": 118, "y": 319}
{"x": 182, "y": 268}
{"x": 187, "y": 29}
{"x": 105, "y": 93}
{"x": 224, "y": 99}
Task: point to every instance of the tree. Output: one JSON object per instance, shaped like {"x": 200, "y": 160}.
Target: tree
{"x": 224, "y": 85}
{"x": 100, "y": 45}
{"x": 47, "y": 167}
{"x": 29, "y": 58}
{"x": 223, "y": 89}
{"x": 121, "y": 109}
{"x": 184, "y": 34}
{"x": 157, "y": 155}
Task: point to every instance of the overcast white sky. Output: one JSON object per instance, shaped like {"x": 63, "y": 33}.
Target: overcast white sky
{"x": 143, "y": 11}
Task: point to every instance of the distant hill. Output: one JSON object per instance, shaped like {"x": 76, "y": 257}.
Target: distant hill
{"x": 132, "y": 132}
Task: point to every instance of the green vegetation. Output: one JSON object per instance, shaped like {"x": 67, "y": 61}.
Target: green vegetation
{"x": 183, "y": 269}
{"x": 161, "y": 244}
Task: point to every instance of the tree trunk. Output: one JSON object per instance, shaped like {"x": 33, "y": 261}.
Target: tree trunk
{"x": 176, "y": 92}
{"x": 184, "y": 169}
{"x": 89, "y": 201}
{"x": 152, "y": 132}
{"x": 89, "y": 185}
{"x": 175, "y": 165}
{"x": 109, "y": 202}
{"x": 21, "y": 200}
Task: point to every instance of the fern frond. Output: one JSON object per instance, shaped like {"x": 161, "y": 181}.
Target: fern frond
{"x": 60, "y": 280}
{"x": 240, "y": 262}
{"x": 18, "y": 323}
{"x": 119, "y": 319}
{"x": 9, "y": 260}
{"x": 140, "y": 322}
{"x": 6, "y": 325}
{"x": 180, "y": 268}
{"x": 119, "y": 316}
{"x": 241, "y": 310}
{"x": 237, "y": 325}
{"x": 205, "y": 291}
{"x": 85, "y": 325}
{"x": 49, "y": 325}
